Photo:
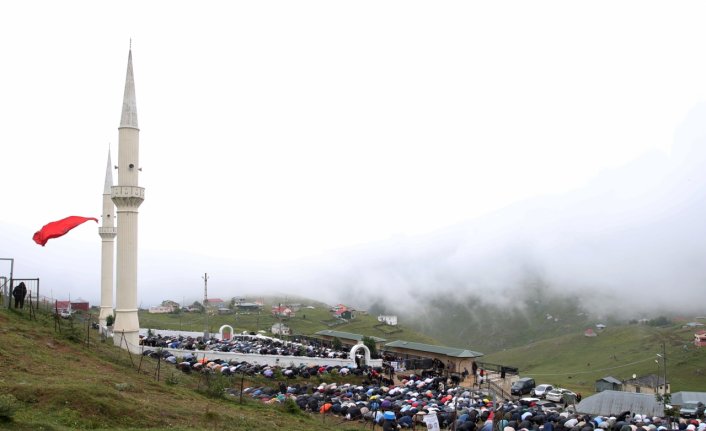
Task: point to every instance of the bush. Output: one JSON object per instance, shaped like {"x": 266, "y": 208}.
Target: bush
{"x": 172, "y": 380}
{"x": 290, "y": 406}
{"x": 110, "y": 320}
{"x": 8, "y": 406}
{"x": 122, "y": 387}
{"x": 215, "y": 386}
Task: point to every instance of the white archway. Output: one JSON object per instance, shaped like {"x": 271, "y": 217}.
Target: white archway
{"x": 365, "y": 349}
{"x": 226, "y": 332}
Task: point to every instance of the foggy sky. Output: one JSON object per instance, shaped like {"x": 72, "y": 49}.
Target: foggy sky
{"x": 633, "y": 236}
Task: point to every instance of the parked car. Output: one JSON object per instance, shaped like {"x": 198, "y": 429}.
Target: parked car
{"x": 557, "y": 395}
{"x": 688, "y": 409}
{"x": 522, "y": 386}
{"x": 541, "y": 390}
{"x": 65, "y": 314}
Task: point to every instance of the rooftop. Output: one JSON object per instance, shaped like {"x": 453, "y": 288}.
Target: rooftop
{"x": 430, "y": 348}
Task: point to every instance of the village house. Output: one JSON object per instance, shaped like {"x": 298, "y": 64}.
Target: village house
{"x": 63, "y": 307}
{"x": 217, "y": 304}
{"x": 341, "y": 311}
{"x": 80, "y": 304}
{"x": 281, "y": 311}
{"x": 242, "y": 305}
{"x": 167, "y": 306}
{"x": 649, "y": 384}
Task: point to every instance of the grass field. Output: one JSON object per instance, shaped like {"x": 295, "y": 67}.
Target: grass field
{"x": 576, "y": 362}
{"x": 62, "y": 383}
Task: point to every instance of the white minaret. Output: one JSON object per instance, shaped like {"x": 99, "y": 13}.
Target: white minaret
{"x": 127, "y": 196}
{"x": 107, "y": 233}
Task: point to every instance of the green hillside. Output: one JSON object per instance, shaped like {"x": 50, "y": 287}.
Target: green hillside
{"x": 497, "y": 321}
{"x": 576, "y": 361}
{"x": 55, "y": 380}
{"x": 307, "y": 321}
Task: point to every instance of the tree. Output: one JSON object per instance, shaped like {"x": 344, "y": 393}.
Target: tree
{"x": 198, "y": 306}
{"x": 337, "y": 345}
{"x": 659, "y": 321}
{"x": 370, "y": 343}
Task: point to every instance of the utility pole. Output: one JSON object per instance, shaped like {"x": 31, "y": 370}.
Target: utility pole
{"x": 205, "y": 305}
{"x": 664, "y": 358}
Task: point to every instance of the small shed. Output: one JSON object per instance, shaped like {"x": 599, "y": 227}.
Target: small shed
{"x": 608, "y": 383}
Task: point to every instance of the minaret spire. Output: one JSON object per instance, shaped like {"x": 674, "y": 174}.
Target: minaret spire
{"x": 107, "y": 232}
{"x": 108, "y": 176}
{"x": 128, "y": 117}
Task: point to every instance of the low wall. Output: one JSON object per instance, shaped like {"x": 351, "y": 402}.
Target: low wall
{"x": 272, "y": 360}
{"x": 254, "y": 358}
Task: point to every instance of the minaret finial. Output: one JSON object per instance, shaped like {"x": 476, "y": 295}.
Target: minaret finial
{"x": 128, "y": 117}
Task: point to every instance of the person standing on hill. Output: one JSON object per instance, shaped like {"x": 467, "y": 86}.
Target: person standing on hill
{"x": 19, "y": 292}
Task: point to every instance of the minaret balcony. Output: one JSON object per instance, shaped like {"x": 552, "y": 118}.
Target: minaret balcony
{"x": 127, "y": 197}
{"x": 107, "y": 232}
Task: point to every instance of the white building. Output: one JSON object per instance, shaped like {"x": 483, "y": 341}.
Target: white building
{"x": 280, "y": 329}
{"x": 388, "y": 319}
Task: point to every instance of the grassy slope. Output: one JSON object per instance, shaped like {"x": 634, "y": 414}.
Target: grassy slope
{"x": 63, "y": 385}
{"x": 306, "y": 322}
{"x": 576, "y": 362}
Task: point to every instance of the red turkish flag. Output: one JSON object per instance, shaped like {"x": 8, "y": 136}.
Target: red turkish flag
{"x": 58, "y": 228}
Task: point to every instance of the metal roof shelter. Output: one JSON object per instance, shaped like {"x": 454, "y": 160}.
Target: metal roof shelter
{"x": 610, "y": 403}
{"x": 679, "y": 398}
{"x": 430, "y": 348}
{"x": 454, "y": 359}
{"x": 347, "y": 337}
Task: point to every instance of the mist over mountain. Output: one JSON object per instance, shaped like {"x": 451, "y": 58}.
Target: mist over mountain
{"x": 629, "y": 243}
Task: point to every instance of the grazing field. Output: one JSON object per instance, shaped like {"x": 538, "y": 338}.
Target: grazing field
{"x": 575, "y": 361}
